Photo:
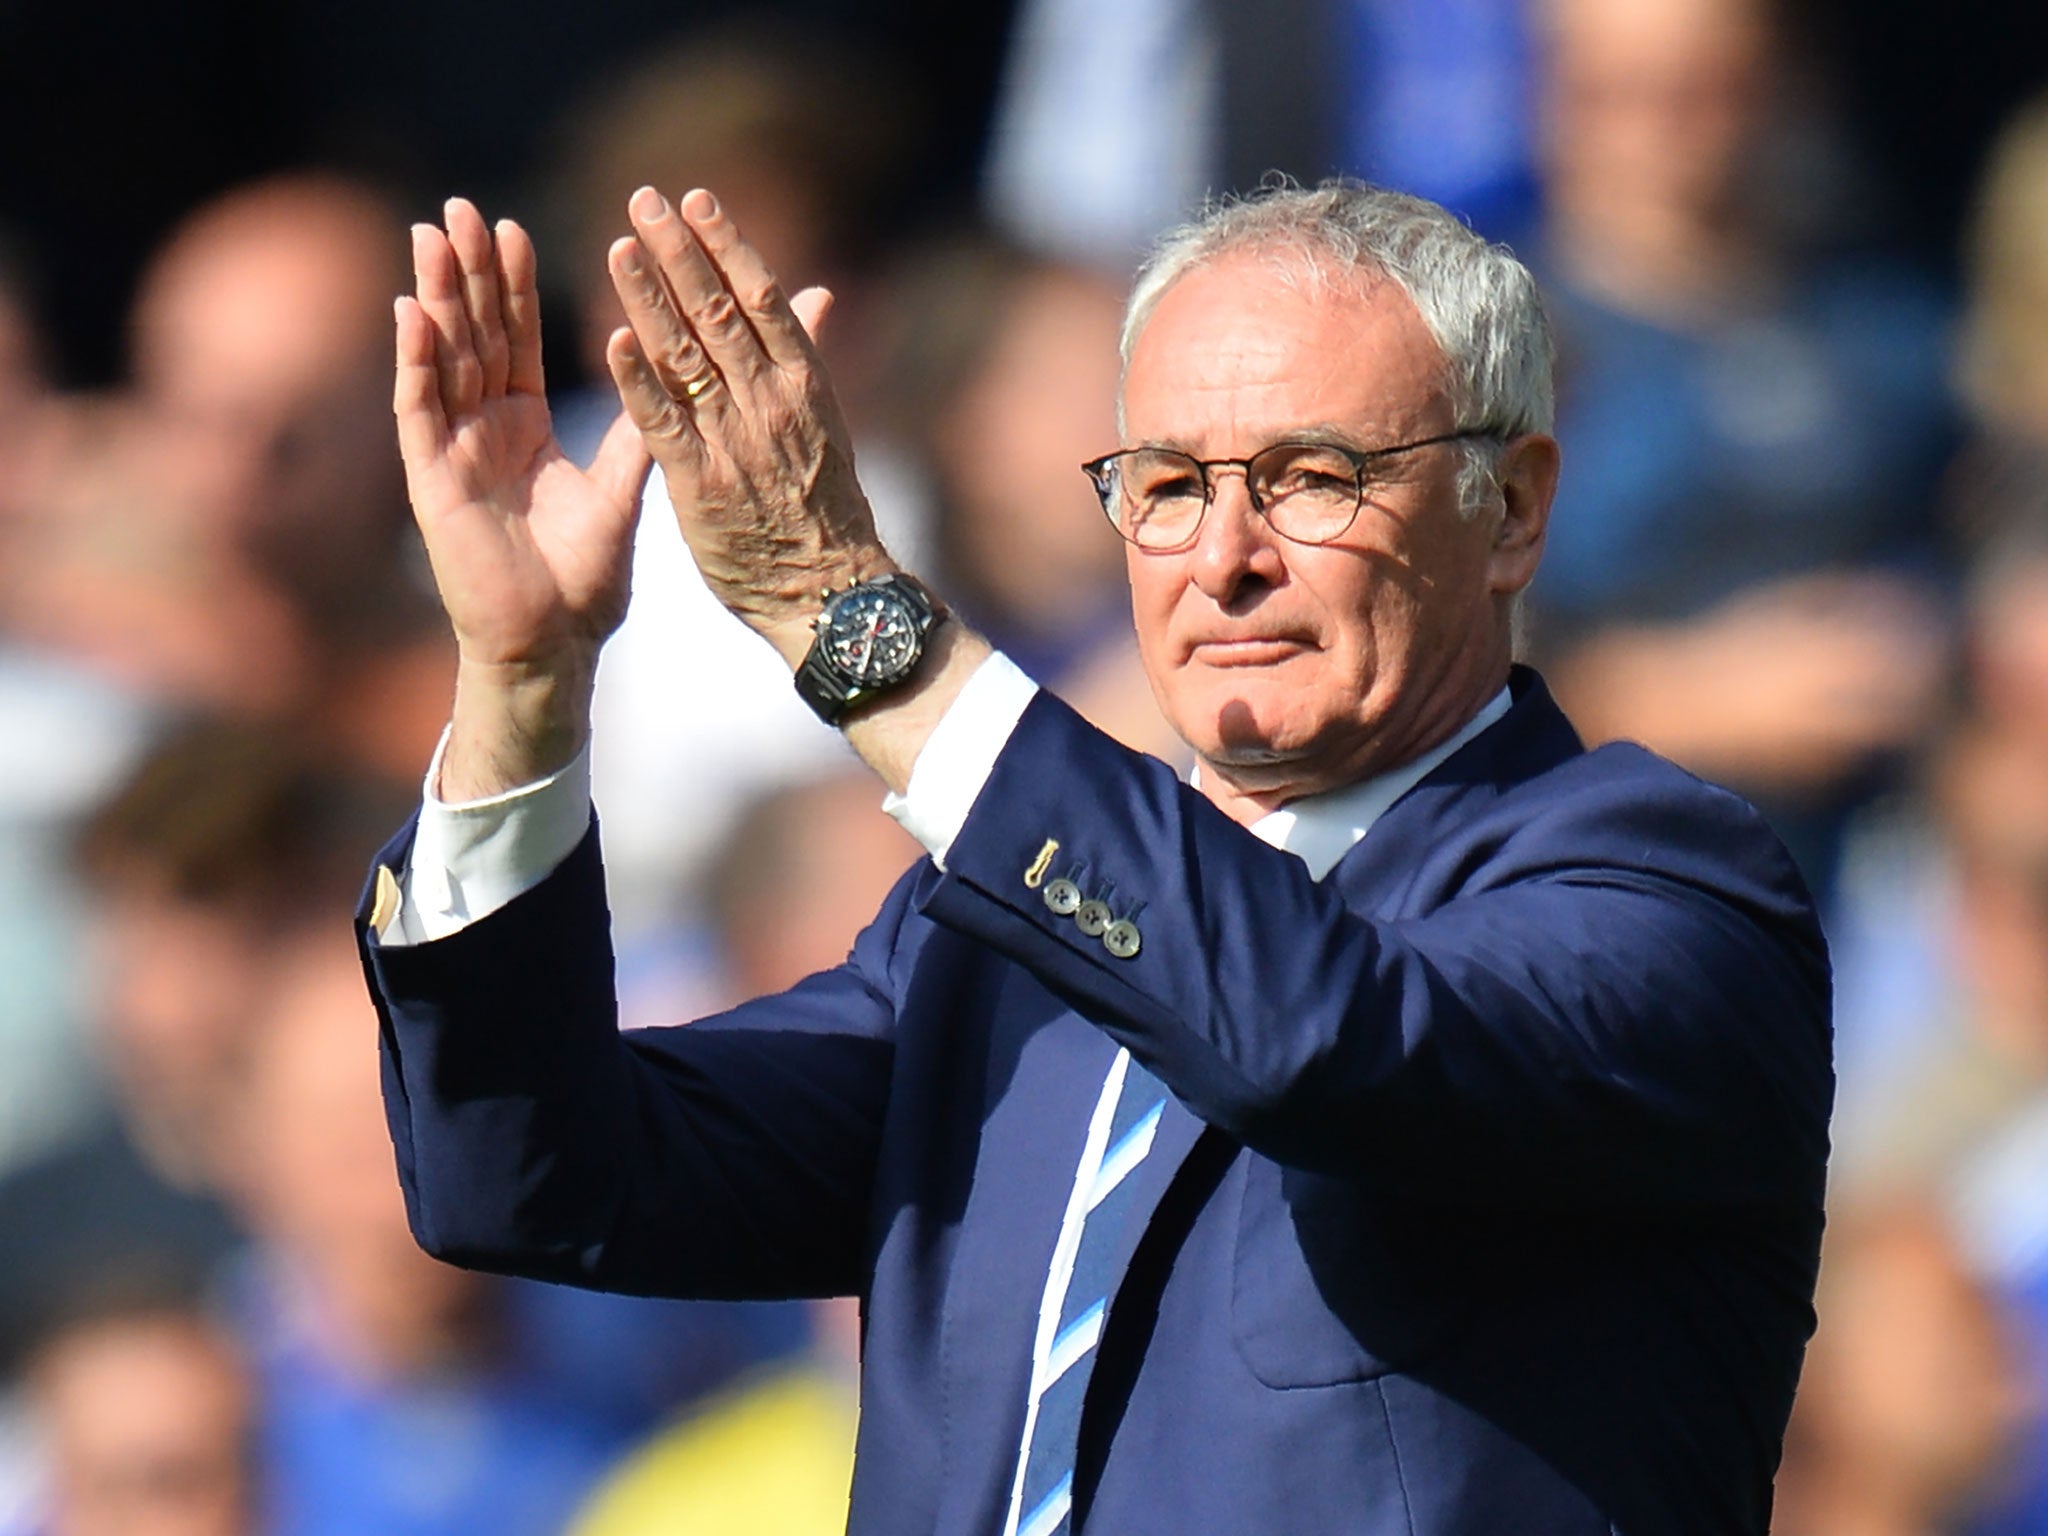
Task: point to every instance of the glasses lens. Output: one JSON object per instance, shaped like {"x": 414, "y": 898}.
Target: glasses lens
{"x": 1158, "y": 496}
{"x": 1310, "y": 493}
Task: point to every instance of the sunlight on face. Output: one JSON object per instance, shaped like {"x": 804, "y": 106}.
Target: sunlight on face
{"x": 1292, "y": 668}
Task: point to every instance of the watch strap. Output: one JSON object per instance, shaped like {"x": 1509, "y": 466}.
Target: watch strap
{"x": 822, "y": 686}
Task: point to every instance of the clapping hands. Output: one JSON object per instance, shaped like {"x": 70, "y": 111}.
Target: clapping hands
{"x": 721, "y": 385}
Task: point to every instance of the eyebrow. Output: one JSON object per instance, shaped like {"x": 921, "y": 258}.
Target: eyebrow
{"x": 1320, "y": 436}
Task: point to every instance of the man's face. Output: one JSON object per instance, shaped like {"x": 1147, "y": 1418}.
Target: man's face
{"x": 1292, "y": 668}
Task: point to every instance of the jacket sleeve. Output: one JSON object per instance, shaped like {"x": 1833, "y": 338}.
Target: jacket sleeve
{"x": 1624, "y": 999}
{"x": 731, "y": 1158}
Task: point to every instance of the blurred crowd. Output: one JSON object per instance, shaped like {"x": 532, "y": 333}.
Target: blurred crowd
{"x": 1801, "y": 547}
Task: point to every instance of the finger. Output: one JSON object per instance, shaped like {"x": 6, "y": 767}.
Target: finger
{"x": 701, "y": 296}
{"x": 670, "y": 433}
{"x": 678, "y": 364}
{"x": 519, "y": 282}
{"x": 437, "y": 279}
{"x": 416, "y": 390}
{"x": 769, "y": 318}
{"x": 477, "y": 258}
{"x": 622, "y": 462}
{"x": 812, "y": 308}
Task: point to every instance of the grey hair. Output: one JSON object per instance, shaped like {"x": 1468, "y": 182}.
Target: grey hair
{"x": 1477, "y": 301}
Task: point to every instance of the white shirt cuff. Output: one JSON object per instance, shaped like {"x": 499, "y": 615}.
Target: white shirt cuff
{"x": 958, "y": 757}
{"x": 472, "y": 857}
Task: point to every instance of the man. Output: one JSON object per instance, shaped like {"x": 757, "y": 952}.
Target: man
{"x": 1418, "y": 1125}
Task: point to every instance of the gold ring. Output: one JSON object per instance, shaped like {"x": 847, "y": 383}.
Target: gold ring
{"x": 698, "y": 385}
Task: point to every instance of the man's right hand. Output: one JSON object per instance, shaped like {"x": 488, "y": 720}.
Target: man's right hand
{"x": 532, "y": 555}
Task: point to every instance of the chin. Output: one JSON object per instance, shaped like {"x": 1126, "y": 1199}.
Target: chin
{"x": 1238, "y": 732}
{"x": 1269, "y": 727}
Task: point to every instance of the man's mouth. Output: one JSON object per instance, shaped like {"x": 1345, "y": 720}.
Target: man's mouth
{"x": 1246, "y": 650}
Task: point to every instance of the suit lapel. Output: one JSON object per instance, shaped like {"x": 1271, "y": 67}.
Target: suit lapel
{"x": 1398, "y": 856}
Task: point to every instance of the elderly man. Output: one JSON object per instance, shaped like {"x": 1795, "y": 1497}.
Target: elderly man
{"x": 1416, "y": 1124}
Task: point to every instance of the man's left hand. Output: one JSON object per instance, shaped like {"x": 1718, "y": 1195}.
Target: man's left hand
{"x": 719, "y": 372}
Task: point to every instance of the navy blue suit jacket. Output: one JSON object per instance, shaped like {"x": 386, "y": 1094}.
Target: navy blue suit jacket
{"x": 1490, "y": 1200}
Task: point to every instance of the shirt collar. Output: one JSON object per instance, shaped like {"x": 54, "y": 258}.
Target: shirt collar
{"x": 1320, "y": 829}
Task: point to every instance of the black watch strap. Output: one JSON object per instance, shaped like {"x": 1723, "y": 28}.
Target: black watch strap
{"x": 821, "y": 685}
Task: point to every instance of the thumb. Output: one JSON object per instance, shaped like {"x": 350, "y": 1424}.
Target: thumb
{"x": 620, "y": 468}
{"x": 812, "y": 306}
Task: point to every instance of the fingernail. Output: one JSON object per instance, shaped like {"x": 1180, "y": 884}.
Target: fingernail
{"x": 647, "y": 206}
{"x": 701, "y": 206}
{"x": 629, "y": 257}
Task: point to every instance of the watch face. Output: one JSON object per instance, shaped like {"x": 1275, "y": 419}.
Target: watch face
{"x": 872, "y": 637}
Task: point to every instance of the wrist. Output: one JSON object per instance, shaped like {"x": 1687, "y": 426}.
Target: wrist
{"x": 889, "y": 734}
{"x": 793, "y": 625}
{"x": 514, "y": 723}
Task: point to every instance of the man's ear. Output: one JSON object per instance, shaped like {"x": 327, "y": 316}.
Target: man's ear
{"x": 1527, "y": 476}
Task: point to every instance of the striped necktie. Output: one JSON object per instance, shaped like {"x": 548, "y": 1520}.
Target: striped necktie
{"x": 1077, "y": 1292}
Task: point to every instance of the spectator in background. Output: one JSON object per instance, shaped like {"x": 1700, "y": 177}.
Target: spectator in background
{"x": 1736, "y": 569}
{"x": 148, "y": 1420}
{"x": 115, "y": 579}
{"x": 1943, "y": 1008}
{"x": 1914, "y": 1112}
{"x": 224, "y": 832}
{"x": 1995, "y": 800}
{"x": 257, "y": 359}
{"x": 228, "y": 535}
{"x": 400, "y": 1396}
{"x": 2003, "y": 478}
{"x": 404, "y": 1396}
{"x": 64, "y": 735}
{"x": 1951, "y": 1104}
{"x": 810, "y": 138}
{"x": 1003, "y": 378}
{"x": 1911, "y": 1401}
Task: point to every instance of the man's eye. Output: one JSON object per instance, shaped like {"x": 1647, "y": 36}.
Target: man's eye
{"x": 1314, "y": 480}
{"x": 1170, "y": 485}
{"x": 1291, "y": 468}
{"x": 1309, "y": 479}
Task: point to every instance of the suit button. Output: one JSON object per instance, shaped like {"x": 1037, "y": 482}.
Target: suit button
{"x": 1121, "y": 938}
{"x": 1063, "y": 897}
{"x": 1093, "y": 918}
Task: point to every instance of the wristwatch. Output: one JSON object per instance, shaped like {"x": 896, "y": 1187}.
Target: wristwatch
{"x": 870, "y": 638}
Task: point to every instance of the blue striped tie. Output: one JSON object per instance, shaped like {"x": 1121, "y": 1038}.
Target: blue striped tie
{"x": 1077, "y": 1295}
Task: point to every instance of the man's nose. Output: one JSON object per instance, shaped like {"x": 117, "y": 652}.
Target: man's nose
{"x": 1236, "y": 545}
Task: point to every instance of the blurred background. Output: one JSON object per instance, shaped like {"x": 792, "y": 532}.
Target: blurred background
{"x": 1797, "y": 254}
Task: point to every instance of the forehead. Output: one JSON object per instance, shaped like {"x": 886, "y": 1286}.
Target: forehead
{"x": 1242, "y": 349}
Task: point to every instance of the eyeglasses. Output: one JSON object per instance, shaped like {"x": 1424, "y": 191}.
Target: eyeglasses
{"x": 1307, "y": 492}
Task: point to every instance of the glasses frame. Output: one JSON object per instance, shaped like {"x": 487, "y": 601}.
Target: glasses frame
{"x": 1098, "y": 472}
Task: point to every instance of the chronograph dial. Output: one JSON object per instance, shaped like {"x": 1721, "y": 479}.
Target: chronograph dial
{"x": 870, "y": 638}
